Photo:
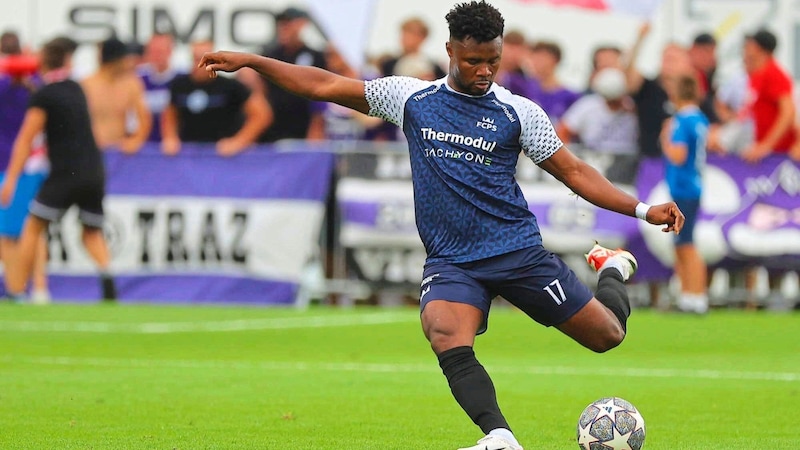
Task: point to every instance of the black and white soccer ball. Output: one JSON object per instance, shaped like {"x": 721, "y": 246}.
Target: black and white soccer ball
{"x": 611, "y": 423}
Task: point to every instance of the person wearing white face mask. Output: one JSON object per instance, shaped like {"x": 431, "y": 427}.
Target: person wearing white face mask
{"x": 604, "y": 122}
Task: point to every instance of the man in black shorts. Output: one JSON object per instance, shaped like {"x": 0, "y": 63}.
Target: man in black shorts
{"x": 77, "y": 175}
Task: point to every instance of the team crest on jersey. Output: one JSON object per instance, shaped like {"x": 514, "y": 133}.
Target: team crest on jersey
{"x": 487, "y": 123}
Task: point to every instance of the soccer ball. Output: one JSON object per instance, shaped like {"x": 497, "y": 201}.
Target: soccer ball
{"x": 611, "y": 423}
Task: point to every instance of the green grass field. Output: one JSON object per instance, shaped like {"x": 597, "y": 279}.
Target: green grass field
{"x": 156, "y": 377}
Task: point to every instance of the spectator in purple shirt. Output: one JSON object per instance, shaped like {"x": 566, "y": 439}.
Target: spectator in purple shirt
{"x": 514, "y": 73}
{"x": 550, "y": 94}
{"x": 156, "y": 74}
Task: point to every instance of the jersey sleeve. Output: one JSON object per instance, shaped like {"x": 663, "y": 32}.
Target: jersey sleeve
{"x": 538, "y": 138}
{"x": 387, "y": 96}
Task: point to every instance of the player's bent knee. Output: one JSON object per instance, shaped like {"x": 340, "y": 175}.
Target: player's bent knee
{"x": 445, "y": 338}
{"x": 448, "y": 325}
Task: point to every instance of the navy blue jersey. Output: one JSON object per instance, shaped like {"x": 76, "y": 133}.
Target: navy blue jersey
{"x": 464, "y": 152}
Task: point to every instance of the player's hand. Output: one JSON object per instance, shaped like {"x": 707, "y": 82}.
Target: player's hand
{"x": 224, "y": 61}
{"x": 7, "y": 193}
{"x": 666, "y": 214}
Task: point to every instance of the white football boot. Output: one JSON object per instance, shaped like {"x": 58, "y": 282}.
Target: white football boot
{"x": 490, "y": 442}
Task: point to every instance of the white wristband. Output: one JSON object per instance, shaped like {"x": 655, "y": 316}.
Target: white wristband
{"x": 641, "y": 210}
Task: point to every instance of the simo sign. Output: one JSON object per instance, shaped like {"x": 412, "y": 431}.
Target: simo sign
{"x": 245, "y": 26}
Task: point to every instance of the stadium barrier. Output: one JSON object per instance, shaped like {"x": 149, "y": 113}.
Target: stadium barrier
{"x": 749, "y": 216}
{"x": 198, "y": 227}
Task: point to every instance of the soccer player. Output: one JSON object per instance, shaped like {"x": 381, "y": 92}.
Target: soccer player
{"x": 77, "y": 175}
{"x": 683, "y": 141}
{"x": 464, "y": 134}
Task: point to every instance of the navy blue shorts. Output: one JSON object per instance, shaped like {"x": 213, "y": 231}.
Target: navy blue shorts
{"x": 690, "y": 210}
{"x": 533, "y": 279}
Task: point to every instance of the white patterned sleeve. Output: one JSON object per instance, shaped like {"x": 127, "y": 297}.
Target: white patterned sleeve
{"x": 387, "y": 96}
{"x": 538, "y": 138}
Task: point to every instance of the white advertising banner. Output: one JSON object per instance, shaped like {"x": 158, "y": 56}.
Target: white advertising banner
{"x": 270, "y": 239}
{"x": 199, "y": 227}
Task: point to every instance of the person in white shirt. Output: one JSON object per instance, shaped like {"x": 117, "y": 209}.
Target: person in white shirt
{"x": 604, "y": 122}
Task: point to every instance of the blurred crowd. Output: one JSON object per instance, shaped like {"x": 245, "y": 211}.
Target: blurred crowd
{"x": 137, "y": 96}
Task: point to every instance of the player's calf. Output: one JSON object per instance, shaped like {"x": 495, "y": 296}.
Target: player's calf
{"x": 594, "y": 327}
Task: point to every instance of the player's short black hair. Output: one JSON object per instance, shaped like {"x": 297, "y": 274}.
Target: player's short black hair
{"x": 476, "y": 19}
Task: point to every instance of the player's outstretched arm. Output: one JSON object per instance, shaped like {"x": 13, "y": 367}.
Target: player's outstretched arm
{"x": 588, "y": 183}
{"x": 306, "y": 81}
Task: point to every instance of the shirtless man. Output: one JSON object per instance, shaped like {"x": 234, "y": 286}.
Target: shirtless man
{"x": 116, "y": 95}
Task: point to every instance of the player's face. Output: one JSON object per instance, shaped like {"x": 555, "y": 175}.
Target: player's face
{"x": 473, "y": 65}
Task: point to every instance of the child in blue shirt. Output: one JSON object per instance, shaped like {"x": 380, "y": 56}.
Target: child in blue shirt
{"x": 683, "y": 142}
